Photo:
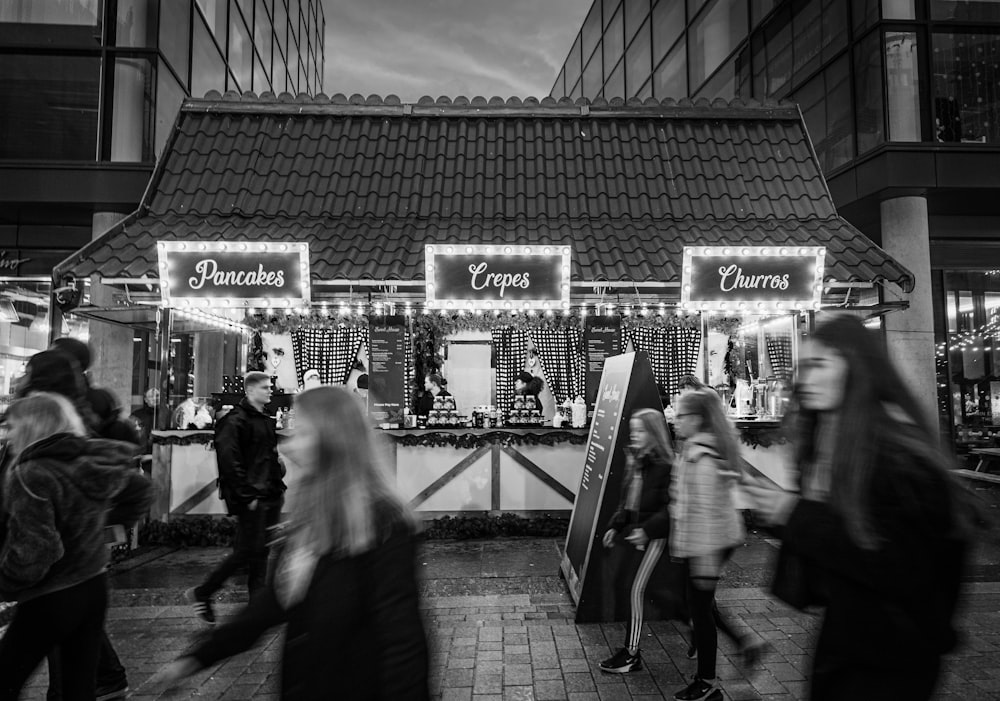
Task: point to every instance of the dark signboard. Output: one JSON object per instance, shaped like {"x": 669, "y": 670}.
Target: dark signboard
{"x": 752, "y": 277}
{"x": 602, "y": 338}
{"x": 498, "y": 277}
{"x": 627, "y": 385}
{"x": 233, "y": 274}
{"x": 387, "y": 368}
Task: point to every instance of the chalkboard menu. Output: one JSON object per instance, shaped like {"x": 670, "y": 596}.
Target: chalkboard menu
{"x": 387, "y": 368}
{"x": 602, "y": 339}
{"x": 627, "y": 385}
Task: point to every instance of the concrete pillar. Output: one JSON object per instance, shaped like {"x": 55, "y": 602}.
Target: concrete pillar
{"x": 910, "y": 334}
{"x": 110, "y": 344}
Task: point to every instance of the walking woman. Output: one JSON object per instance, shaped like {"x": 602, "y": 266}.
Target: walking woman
{"x": 345, "y": 582}
{"x": 877, "y": 532}
{"x": 57, "y": 493}
{"x": 705, "y": 526}
{"x": 642, "y": 521}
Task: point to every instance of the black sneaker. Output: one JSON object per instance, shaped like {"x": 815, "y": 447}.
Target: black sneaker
{"x": 202, "y": 605}
{"x": 699, "y": 690}
{"x": 622, "y": 662}
{"x": 110, "y": 692}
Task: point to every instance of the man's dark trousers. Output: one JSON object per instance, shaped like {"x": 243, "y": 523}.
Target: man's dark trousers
{"x": 250, "y": 549}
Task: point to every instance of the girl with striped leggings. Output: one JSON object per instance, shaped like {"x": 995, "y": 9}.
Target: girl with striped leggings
{"x": 642, "y": 520}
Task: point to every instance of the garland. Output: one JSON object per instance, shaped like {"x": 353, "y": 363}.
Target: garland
{"x": 763, "y": 437}
{"x": 478, "y": 440}
{"x": 189, "y": 438}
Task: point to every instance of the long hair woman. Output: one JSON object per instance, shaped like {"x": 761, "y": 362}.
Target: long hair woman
{"x": 878, "y": 524}
{"x": 345, "y": 582}
{"x": 641, "y": 522}
{"x": 705, "y": 526}
{"x": 56, "y": 496}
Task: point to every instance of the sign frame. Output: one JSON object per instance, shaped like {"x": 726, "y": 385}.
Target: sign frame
{"x": 261, "y": 248}
{"x": 734, "y": 303}
{"x": 431, "y": 251}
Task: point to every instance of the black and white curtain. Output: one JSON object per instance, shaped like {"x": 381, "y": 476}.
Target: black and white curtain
{"x": 562, "y": 361}
{"x": 510, "y": 350}
{"x": 331, "y": 351}
{"x": 672, "y": 351}
{"x": 779, "y": 353}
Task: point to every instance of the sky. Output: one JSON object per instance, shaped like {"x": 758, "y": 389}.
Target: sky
{"x": 412, "y": 48}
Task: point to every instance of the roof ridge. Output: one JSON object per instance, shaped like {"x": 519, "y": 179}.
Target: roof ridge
{"x": 480, "y": 106}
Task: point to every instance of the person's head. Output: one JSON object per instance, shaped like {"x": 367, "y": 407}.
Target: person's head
{"x": 39, "y": 416}
{"x": 54, "y": 371}
{"x": 152, "y": 397}
{"x": 522, "y": 380}
{"x": 433, "y": 383}
{"x": 257, "y": 387}
{"x": 344, "y": 477}
{"x": 648, "y": 433}
{"x": 690, "y": 383}
{"x": 701, "y": 411}
{"x": 75, "y": 348}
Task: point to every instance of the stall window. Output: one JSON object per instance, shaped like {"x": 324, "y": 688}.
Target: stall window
{"x": 868, "y": 93}
{"x": 668, "y": 24}
{"x": 902, "y": 77}
{"x": 50, "y": 104}
{"x": 638, "y": 60}
{"x": 670, "y": 79}
{"x": 966, "y": 87}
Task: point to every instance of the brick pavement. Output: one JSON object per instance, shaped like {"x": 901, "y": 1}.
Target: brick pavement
{"x": 507, "y": 647}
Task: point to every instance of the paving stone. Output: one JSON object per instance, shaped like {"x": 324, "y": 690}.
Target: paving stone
{"x": 550, "y": 691}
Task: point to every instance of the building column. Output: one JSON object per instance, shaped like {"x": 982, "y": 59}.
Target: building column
{"x": 110, "y": 344}
{"x": 910, "y": 334}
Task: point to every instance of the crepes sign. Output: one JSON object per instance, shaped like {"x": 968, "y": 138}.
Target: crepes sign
{"x": 752, "y": 278}
{"x": 233, "y": 274}
{"x": 497, "y": 277}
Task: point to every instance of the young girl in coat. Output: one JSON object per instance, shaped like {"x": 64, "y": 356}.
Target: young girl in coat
{"x": 642, "y": 521}
{"x": 705, "y": 525}
{"x": 878, "y": 528}
{"x": 345, "y": 582}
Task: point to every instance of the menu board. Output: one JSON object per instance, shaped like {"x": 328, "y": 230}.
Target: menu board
{"x": 627, "y": 385}
{"x": 602, "y": 338}
{"x": 387, "y": 368}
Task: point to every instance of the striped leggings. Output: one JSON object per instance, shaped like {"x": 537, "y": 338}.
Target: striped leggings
{"x": 651, "y": 556}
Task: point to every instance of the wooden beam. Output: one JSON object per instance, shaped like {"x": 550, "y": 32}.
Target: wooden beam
{"x": 550, "y": 481}
{"x": 192, "y": 501}
{"x": 448, "y": 476}
{"x": 495, "y": 476}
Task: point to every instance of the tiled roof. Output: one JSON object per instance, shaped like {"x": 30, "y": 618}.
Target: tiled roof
{"x": 367, "y": 182}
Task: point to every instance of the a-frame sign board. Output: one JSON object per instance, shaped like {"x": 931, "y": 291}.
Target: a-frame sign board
{"x": 627, "y": 385}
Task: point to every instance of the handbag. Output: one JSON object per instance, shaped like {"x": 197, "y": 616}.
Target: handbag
{"x": 797, "y": 581}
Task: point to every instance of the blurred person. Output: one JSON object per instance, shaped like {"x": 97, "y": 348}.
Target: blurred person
{"x": 58, "y": 493}
{"x": 311, "y": 379}
{"x": 878, "y": 532}
{"x": 144, "y": 419}
{"x": 642, "y": 523}
{"x": 705, "y": 525}
{"x": 361, "y": 387}
{"x": 690, "y": 383}
{"x": 345, "y": 581}
{"x": 251, "y": 483}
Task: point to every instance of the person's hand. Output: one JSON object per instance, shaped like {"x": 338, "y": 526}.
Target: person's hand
{"x": 638, "y": 538}
{"x": 168, "y": 675}
{"x": 609, "y": 538}
{"x": 773, "y": 505}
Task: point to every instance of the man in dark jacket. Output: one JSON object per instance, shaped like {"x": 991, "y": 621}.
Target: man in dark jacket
{"x": 250, "y": 482}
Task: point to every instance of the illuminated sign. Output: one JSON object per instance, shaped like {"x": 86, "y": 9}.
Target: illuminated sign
{"x": 752, "y": 278}
{"x": 233, "y": 274}
{"x": 497, "y": 277}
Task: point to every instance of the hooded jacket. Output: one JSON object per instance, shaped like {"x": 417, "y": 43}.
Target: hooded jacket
{"x": 246, "y": 446}
{"x": 57, "y": 498}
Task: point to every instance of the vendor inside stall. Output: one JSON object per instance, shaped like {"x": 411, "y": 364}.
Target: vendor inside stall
{"x": 527, "y": 387}
{"x": 433, "y": 388}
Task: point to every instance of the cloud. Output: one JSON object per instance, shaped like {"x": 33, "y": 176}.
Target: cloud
{"x": 412, "y": 48}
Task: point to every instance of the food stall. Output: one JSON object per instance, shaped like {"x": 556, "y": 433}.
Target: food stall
{"x": 551, "y": 241}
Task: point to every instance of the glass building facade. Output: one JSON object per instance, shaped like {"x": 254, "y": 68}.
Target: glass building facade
{"x": 89, "y": 91}
{"x": 901, "y": 101}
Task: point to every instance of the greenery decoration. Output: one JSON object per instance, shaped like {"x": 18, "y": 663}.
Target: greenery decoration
{"x": 442, "y": 439}
{"x": 189, "y": 438}
{"x": 763, "y": 436}
{"x": 197, "y": 531}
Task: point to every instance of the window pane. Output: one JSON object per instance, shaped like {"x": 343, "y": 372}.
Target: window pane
{"x": 169, "y": 96}
{"x": 834, "y": 27}
{"x": 838, "y": 146}
{"x": 668, "y": 23}
{"x": 261, "y": 84}
{"x": 865, "y": 14}
{"x": 714, "y": 35}
{"x": 811, "y": 100}
{"x": 743, "y": 78}
{"x": 722, "y": 84}
{"x": 902, "y": 86}
{"x": 175, "y": 40}
{"x": 591, "y": 33}
{"x": 778, "y": 54}
{"x": 215, "y": 15}
{"x": 132, "y": 118}
{"x": 646, "y": 90}
{"x": 636, "y": 12}
{"x": 868, "y": 92}
{"x": 573, "y": 64}
{"x": 211, "y": 71}
{"x": 136, "y": 24}
{"x": 577, "y": 90}
{"x": 614, "y": 40}
{"x": 50, "y": 107}
{"x": 670, "y": 79}
{"x": 29, "y": 22}
{"x": 966, "y": 90}
{"x": 759, "y": 10}
{"x": 240, "y": 50}
{"x": 281, "y": 27}
{"x": 898, "y": 9}
{"x": 637, "y": 58}
{"x": 977, "y": 10}
{"x": 807, "y": 30}
{"x": 615, "y": 87}
{"x": 263, "y": 38}
{"x": 693, "y": 7}
{"x": 592, "y": 77}
{"x": 610, "y": 6}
